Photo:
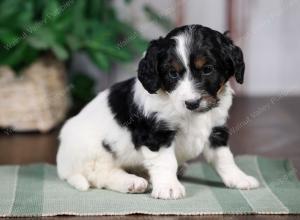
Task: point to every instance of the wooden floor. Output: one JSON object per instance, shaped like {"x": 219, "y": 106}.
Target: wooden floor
{"x": 267, "y": 126}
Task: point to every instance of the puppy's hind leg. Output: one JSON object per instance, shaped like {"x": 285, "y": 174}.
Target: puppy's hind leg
{"x": 106, "y": 173}
{"x": 119, "y": 180}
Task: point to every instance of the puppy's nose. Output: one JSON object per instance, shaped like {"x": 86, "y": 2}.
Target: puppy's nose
{"x": 192, "y": 104}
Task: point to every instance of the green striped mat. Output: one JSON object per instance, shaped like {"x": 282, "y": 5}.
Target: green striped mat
{"x": 35, "y": 190}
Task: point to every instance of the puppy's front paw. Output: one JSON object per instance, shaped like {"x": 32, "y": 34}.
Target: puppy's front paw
{"x": 240, "y": 181}
{"x": 171, "y": 190}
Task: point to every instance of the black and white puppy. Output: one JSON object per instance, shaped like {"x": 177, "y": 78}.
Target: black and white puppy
{"x": 174, "y": 110}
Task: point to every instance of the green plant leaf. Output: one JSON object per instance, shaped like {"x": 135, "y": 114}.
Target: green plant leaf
{"x": 100, "y": 60}
{"x": 8, "y": 37}
{"x": 14, "y": 56}
{"x": 127, "y": 1}
{"x": 111, "y": 50}
{"x": 65, "y": 21}
{"x": 37, "y": 43}
{"x": 31, "y": 56}
{"x": 7, "y": 9}
{"x": 95, "y": 9}
{"x": 78, "y": 16}
{"x": 51, "y": 11}
{"x": 138, "y": 45}
{"x": 82, "y": 90}
{"x": 44, "y": 35}
{"x": 73, "y": 42}
{"x": 60, "y": 52}
{"x": 26, "y": 16}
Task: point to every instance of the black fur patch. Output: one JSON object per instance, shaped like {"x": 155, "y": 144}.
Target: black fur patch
{"x": 107, "y": 147}
{"x": 145, "y": 131}
{"x": 219, "y": 136}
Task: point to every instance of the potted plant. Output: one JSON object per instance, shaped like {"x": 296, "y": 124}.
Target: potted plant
{"x": 37, "y": 40}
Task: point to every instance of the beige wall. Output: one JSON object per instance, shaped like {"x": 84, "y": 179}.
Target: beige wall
{"x": 272, "y": 47}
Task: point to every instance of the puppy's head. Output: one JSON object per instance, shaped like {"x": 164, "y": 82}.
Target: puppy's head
{"x": 191, "y": 64}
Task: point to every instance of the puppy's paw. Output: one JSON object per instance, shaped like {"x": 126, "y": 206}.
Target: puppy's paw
{"x": 137, "y": 185}
{"x": 240, "y": 180}
{"x": 79, "y": 182}
{"x": 171, "y": 190}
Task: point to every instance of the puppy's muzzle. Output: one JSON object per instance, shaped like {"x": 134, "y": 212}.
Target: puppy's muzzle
{"x": 192, "y": 104}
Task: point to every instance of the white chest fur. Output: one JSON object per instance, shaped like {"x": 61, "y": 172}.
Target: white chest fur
{"x": 191, "y": 136}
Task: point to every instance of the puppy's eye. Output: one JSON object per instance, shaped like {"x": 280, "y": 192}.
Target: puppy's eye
{"x": 173, "y": 74}
{"x": 208, "y": 69}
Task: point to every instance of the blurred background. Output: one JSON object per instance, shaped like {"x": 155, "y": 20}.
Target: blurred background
{"x": 55, "y": 56}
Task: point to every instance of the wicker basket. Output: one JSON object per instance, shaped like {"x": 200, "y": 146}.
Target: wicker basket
{"x": 38, "y": 100}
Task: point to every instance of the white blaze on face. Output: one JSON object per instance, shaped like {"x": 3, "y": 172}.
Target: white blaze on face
{"x": 182, "y": 42}
{"x": 185, "y": 89}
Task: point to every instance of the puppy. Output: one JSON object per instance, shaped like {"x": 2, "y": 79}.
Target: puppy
{"x": 174, "y": 110}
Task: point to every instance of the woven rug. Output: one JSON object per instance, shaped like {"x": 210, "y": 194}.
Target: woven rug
{"x": 35, "y": 190}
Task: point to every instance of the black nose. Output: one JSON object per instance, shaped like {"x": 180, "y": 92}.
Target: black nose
{"x": 192, "y": 104}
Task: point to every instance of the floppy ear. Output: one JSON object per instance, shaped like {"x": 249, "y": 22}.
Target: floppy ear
{"x": 148, "y": 72}
{"x": 235, "y": 57}
{"x": 238, "y": 64}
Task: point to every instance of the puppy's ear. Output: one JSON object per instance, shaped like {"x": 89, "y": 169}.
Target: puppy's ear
{"x": 235, "y": 57}
{"x": 238, "y": 64}
{"x": 148, "y": 72}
